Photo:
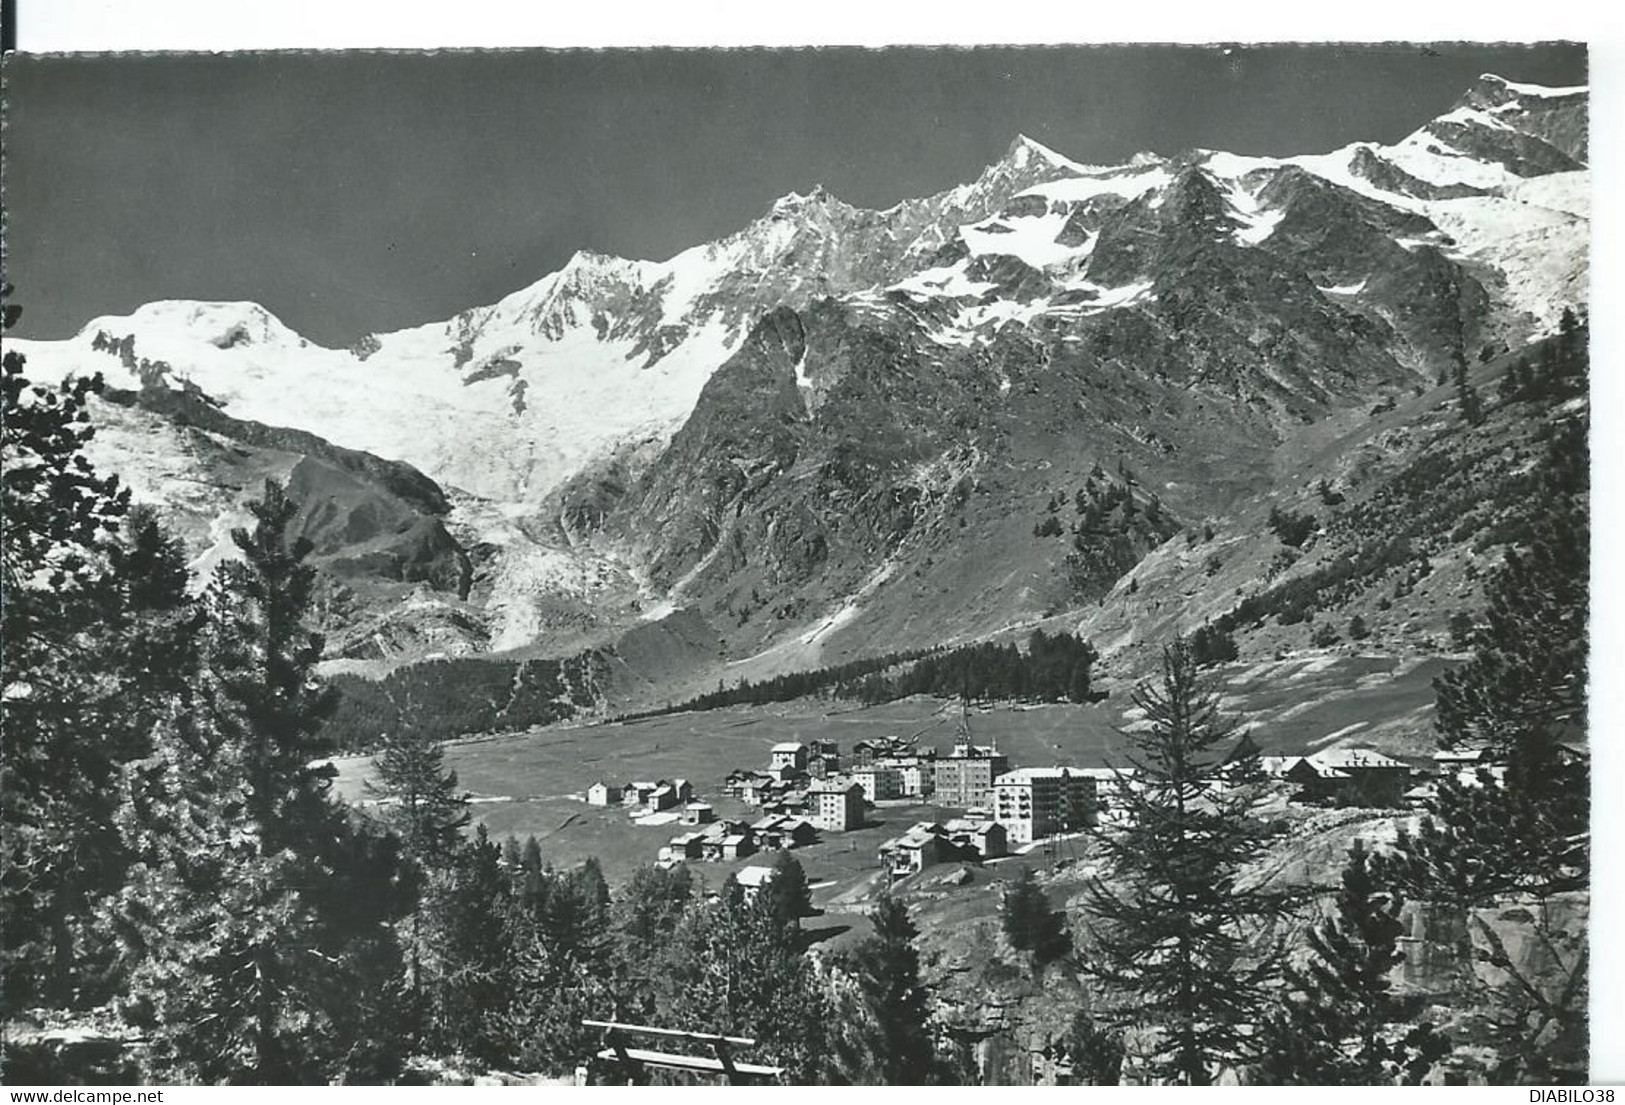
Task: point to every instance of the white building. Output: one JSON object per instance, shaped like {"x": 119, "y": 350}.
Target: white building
{"x": 1035, "y": 802}
{"x": 836, "y": 805}
{"x": 788, "y": 755}
{"x": 602, "y": 794}
{"x": 879, "y": 782}
{"x": 918, "y": 778}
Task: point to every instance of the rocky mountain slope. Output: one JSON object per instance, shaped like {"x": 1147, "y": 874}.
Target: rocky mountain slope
{"x": 840, "y": 431}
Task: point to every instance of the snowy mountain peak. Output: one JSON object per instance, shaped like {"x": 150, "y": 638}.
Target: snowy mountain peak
{"x": 223, "y": 324}
{"x": 793, "y": 203}
{"x": 1024, "y": 150}
{"x": 1493, "y": 85}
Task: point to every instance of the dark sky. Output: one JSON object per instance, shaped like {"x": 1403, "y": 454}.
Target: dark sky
{"x": 372, "y": 191}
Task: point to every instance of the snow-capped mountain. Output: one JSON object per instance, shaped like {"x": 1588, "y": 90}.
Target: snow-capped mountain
{"x": 760, "y": 426}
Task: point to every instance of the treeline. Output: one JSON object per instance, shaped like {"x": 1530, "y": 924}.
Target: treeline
{"x": 1054, "y": 668}
{"x": 785, "y": 688}
{"x": 444, "y": 699}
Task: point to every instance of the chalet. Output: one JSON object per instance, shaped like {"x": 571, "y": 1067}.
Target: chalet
{"x": 792, "y": 801}
{"x": 789, "y": 754}
{"x": 638, "y": 793}
{"x": 738, "y": 846}
{"x": 687, "y": 846}
{"x": 699, "y": 813}
{"x": 783, "y": 831}
{"x": 823, "y": 758}
{"x": 742, "y": 783}
{"x": 978, "y": 839}
{"x": 923, "y": 845}
{"x": 604, "y": 794}
{"x": 836, "y": 805}
{"x": 753, "y": 880}
{"x": 1343, "y": 776}
{"x": 874, "y": 749}
{"x": 1374, "y": 779}
{"x": 663, "y": 797}
{"x": 784, "y": 773}
{"x": 684, "y": 789}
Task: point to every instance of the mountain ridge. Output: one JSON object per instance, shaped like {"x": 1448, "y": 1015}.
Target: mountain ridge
{"x": 776, "y": 429}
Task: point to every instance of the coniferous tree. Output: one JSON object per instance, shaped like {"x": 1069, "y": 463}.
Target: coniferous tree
{"x": 475, "y": 953}
{"x": 1096, "y": 1052}
{"x": 1467, "y": 399}
{"x": 421, "y": 804}
{"x": 65, "y": 705}
{"x": 1521, "y": 828}
{"x": 786, "y": 895}
{"x": 1522, "y": 697}
{"x": 242, "y": 905}
{"x": 563, "y": 969}
{"x": 1344, "y": 1024}
{"x": 735, "y": 969}
{"x": 1183, "y": 947}
{"x": 887, "y": 968}
{"x": 1031, "y": 924}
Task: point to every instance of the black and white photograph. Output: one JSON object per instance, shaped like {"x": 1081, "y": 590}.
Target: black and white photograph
{"x": 922, "y": 565}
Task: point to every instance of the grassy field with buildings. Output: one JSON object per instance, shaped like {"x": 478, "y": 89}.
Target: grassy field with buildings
{"x": 534, "y": 783}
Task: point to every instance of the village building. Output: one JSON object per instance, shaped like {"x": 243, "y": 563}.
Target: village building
{"x": 791, "y": 801}
{"x": 1375, "y": 779}
{"x": 978, "y": 839}
{"x": 788, "y": 754}
{"x": 1344, "y": 776}
{"x": 699, "y": 813}
{"x": 823, "y": 758}
{"x": 836, "y": 805}
{"x": 604, "y": 794}
{"x": 712, "y": 836}
{"x": 964, "y": 777}
{"x": 753, "y": 880}
{"x": 738, "y": 846}
{"x": 783, "y": 831}
{"x": 663, "y": 797}
{"x": 879, "y": 783}
{"x": 872, "y": 750}
{"x": 1035, "y": 802}
{"x": 637, "y": 794}
{"x": 684, "y": 790}
{"x": 685, "y": 847}
{"x": 923, "y": 845}
{"x": 918, "y": 780}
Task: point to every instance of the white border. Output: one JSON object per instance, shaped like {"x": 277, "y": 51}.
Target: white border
{"x": 98, "y": 25}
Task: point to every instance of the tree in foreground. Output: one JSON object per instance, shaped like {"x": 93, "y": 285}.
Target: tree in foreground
{"x": 886, "y": 966}
{"x": 734, "y": 968}
{"x": 1183, "y": 946}
{"x": 787, "y": 895}
{"x": 1343, "y": 1024}
{"x": 1521, "y": 831}
{"x": 257, "y": 908}
{"x": 65, "y": 736}
{"x": 420, "y": 803}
